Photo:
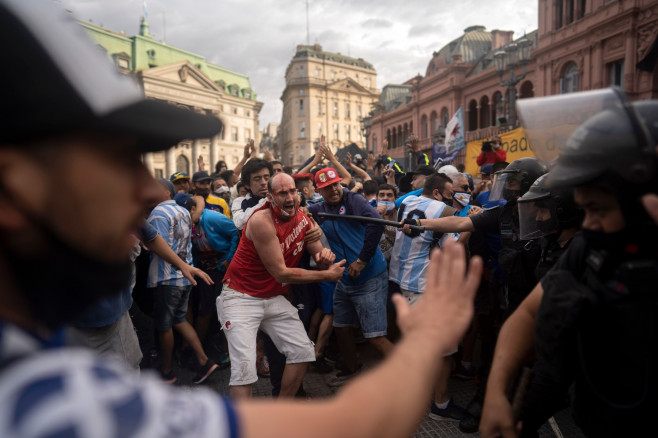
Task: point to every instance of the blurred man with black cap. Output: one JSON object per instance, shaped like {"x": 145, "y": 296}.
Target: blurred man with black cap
{"x": 72, "y": 191}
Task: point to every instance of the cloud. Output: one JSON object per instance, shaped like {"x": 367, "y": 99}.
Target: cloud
{"x": 258, "y": 38}
{"x": 424, "y": 29}
{"x": 376, "y": 23}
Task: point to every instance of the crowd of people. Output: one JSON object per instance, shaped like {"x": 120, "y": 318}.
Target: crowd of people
{"x": 268, "y": 271}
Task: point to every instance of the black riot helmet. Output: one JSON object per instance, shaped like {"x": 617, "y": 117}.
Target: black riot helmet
{"x": 617, "y": 144}
{"x": 525, "y": 171}
{"x": 544, "y": 211}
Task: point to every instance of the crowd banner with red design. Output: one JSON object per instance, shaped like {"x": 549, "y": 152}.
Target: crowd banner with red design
{"x": 514, "y": 142}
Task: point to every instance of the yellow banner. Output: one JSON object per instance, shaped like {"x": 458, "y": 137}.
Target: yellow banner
{"x": 515, "y": 144}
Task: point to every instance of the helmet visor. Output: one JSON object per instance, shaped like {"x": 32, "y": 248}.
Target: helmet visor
{"x": 550, "y": 121}
{"x": 535, "y": 220}
{"x": 498, "y": 185}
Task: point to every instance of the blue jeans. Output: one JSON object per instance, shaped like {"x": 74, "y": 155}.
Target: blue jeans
{"x": 170, "y": 305}
{"x": 363, "y": 305}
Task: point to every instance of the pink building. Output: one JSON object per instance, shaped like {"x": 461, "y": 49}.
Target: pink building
{"x": 579, "y": 45}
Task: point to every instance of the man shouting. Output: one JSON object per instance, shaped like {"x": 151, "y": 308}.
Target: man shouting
{"x": 264, "y": 265}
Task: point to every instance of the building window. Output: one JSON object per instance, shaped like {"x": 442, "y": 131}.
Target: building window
{"x": 347, "y": 133}
{"x": 221, "y": 134}
{"x": 359, "y": 134}
{"x": 358, "y": 111}
{"x": 248, "y": 113}
{"x": 182, "y": 164}
{"x": 616, "y": 72}
{"x": 335, "y": 109}
{"x": 319, "y": 129}
{"x": 369, "y": 82}
{"x": 319, "y": 107}
{"x": 234, "y": 133}
{"x": 301, "y": 92}
{"x": 301, "y": 107}
{"x": 318, "y": 72}
{"x": 335, "y": 131}
{"x": 569, "y": 81}
{"x": 158, "y": 173}
{"x": 247, "y": 134}
{"x": 425, "y": 127}
{"x": 234, "y": 110}
{"x": 302, "y": 130}
{"x": 348, "y": 111}
{"x": 333, "y": 74}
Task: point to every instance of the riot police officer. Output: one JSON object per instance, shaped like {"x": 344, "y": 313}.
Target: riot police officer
{"x": 551, "y": 216}
{"x": 591, "y": 319}
{"x": 517, "y": 258}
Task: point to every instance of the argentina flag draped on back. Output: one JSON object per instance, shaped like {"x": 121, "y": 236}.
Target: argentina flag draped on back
{"x": 454, "y": 142}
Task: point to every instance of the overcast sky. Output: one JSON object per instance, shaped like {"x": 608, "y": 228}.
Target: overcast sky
{"x": 258, "y": 37}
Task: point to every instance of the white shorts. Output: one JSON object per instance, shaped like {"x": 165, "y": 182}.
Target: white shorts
{"x": 241, "y": 315}
{"x": 412, "y": 298}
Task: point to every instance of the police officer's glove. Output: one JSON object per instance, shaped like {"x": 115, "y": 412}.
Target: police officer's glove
{"x": 412, "y": 232}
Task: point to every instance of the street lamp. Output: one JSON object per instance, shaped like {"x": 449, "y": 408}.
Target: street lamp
{"x": 509, "y": 58}
{"x": 366, "y": 127}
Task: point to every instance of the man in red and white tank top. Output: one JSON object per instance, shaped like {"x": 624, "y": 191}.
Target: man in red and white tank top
{"x": 262, "y": 268}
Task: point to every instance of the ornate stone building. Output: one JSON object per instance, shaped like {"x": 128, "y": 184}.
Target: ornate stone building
{"x": 189, "y": 81}
{"x": 579, "y": 45}
{"x": 589, "y": 44}
{"x": 326, "y": 93}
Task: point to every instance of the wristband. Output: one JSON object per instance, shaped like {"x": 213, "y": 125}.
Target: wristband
{"x": 361, "y": 261}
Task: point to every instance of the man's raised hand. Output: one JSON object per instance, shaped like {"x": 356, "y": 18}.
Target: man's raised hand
{"x": 445, "y": 310}
{"x": 324, "y": 257}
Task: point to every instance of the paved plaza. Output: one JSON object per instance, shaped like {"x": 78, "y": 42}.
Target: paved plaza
{"x": 315, "y": 387}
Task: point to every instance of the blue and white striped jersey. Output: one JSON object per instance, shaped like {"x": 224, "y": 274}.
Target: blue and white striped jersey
{"x": 47, "y": 391}
{"x": 175, "y": 226}
{"x": 410, "y": 256}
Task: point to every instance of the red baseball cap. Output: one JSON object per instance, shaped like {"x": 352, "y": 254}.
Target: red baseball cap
{"x": 299, "y": 176}
{"x": 326, "y": 177}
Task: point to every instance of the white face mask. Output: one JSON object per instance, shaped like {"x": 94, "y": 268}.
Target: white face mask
{"x": 462, "y": 198}
{"x": 389, "y": 205}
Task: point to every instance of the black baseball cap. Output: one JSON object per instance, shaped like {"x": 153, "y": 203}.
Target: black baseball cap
{"x": 423, "y": 169}
{"x": 201, "y": 175}
{"x": 59, "y": 82}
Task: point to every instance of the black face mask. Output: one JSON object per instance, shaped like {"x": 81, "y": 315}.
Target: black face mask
{"x": 511, "y": 195}
{"x": 448, "y": 201}
{"x": 611, "y": 242}
{"x": 60, "y": 282}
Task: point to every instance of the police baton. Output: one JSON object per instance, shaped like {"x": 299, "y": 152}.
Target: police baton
{"x": 370, "y": 220}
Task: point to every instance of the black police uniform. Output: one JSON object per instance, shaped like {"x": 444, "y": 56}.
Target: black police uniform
{"x": 596, "y": 326}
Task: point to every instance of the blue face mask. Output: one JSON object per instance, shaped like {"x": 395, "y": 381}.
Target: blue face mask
{"x": 389, "y": 205}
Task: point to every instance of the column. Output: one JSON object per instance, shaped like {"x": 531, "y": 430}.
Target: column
{"x": 171, "y": 161}
{"x": 213, "y": 153}
{"x": 147, "y": 159}
{"x": 195, "y": 154}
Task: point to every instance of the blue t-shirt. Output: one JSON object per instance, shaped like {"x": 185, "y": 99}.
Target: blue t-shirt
{"x": 351, "y": 239}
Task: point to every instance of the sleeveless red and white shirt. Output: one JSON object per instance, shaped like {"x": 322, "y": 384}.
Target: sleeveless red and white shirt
{"x": 248, "y": 275}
